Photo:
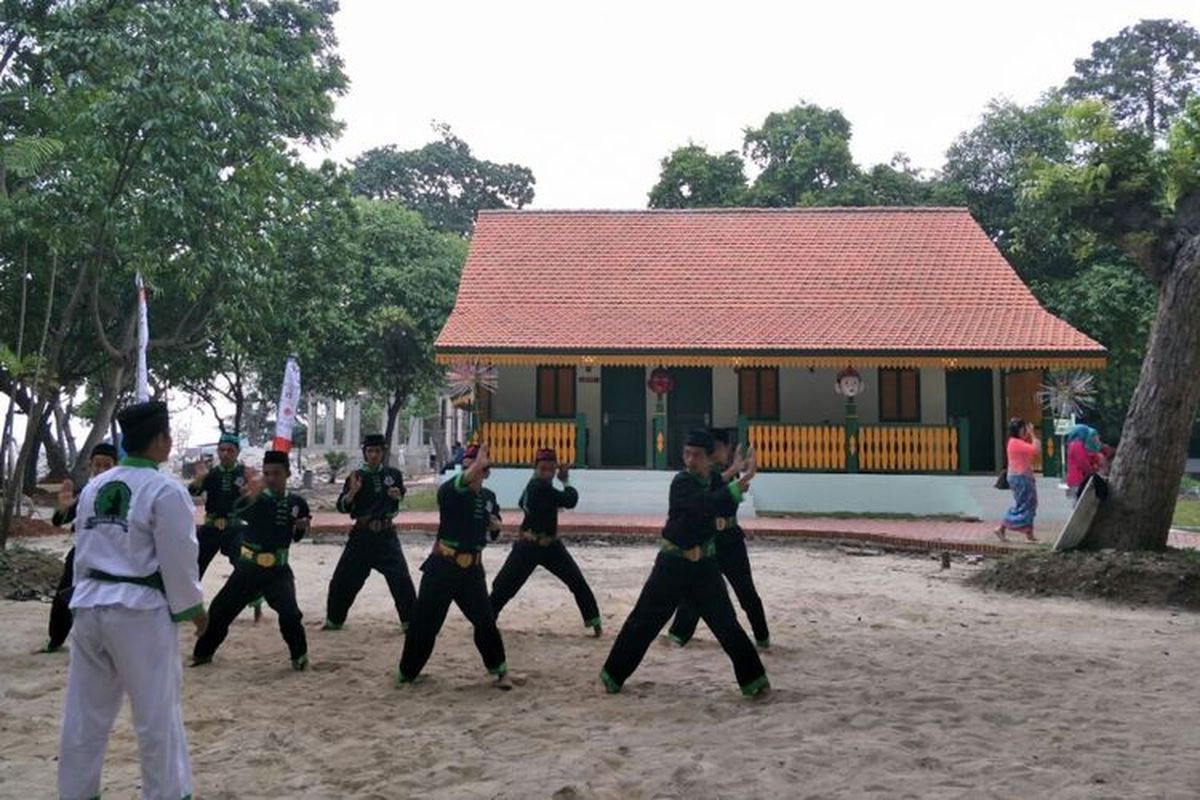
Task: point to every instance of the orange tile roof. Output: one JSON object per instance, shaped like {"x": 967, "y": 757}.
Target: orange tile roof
{"x": 819, "y": 281}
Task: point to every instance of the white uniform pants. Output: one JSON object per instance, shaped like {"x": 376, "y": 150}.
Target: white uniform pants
{"x": 117, "y": 651}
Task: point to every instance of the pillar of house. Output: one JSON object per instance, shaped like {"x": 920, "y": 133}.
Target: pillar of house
{"x": 353, "y": 426}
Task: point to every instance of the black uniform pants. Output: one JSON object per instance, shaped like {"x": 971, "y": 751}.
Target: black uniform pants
{"x": 443, "y": 582}
{"x": 249, "y": 581}
{"x": 734, "y": 562}
{"x": 212, "y": 541}
{"x": 60, "y": 607}
{"x": 524, "y": 558}
{"x": 675, "y": 580}
{"x": 365, "y": 551}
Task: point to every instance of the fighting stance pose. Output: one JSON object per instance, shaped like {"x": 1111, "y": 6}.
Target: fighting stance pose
{"x": 274, "y": 519}
{"x": 104, "y": 458}
{"x": 371, "y": 496}
{"x": 732, "y": 558}
{"x": 454, "y": 573}
{"x": 539, "y": 544}
{"x": 686, "y": 570}
{"x": 222, "y": 488}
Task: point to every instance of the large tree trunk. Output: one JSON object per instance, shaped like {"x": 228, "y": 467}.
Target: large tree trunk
{"x": 394, "y": 407}
{"x": 1153, "y": 450}
{"x": 110, "y": 395}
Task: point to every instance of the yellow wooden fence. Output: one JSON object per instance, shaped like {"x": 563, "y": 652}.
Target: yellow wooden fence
{"x": 811, "y": 447}
{"x": 516, "y": 442}
{"x": 912, "y": 448}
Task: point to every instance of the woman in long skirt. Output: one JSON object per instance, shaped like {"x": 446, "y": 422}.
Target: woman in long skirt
{"x": 1022, "y": 449}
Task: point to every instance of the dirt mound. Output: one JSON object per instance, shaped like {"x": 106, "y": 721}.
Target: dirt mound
{"x": 1169, "y": 579}
{"x": 26, "y": 526}
{"x": 28, "y": 574}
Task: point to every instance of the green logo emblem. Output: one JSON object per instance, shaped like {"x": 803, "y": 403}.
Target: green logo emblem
{"x": 112, "y": 504}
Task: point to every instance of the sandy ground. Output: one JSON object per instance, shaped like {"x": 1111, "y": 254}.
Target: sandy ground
{"x": 891, "y": 680}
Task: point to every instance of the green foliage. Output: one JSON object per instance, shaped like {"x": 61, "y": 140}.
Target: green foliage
{"x": 336, "y": 461}
{"x": 1145, "y": 74}
{"x": 1114, "y": 304}
{"x": 442, "y": 181}
{"x": 801, "y": 153}
{"x": 692, "y": 177}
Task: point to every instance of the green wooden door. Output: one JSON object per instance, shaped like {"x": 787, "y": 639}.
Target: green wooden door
{"x": 623, "y": 410}
{"x": 689, "y": 405}
{"x": 969, "y": 396}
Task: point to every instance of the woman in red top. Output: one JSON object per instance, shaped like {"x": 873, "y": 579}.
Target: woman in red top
{"x": 1083, "y": 458}
{"x": 1023, "y": 447}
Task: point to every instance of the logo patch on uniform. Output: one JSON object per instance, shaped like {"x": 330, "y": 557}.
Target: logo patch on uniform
{"x": 295, "y": 512}
{"x": 111, "y": 506}
{"x": 389, "y": 481}
{"x": 239, "y": 481}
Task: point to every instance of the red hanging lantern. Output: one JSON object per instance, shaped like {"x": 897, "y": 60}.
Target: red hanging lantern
{"x": 660, "y": 381}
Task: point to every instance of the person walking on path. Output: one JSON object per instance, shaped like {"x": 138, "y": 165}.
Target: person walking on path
{"x": 1023, "y": 447}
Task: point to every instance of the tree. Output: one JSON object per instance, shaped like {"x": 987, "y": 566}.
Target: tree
{"x": 1147, "y": 201}
{"x": 1114, "y": 304}
{"x": 442, "y": 181}
{"x": 1145, "y": 73}
{"x": 169, "y": 167}
{"x": 990, "y": 165}
{"x": 692, "y": 177}
{"x": 397, "y": 291}
{"x": 801, "y": 153}
{"x": 894, "y": 184}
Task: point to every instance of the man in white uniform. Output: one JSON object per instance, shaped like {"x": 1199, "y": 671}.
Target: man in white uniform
{"x": 135, "y": 576}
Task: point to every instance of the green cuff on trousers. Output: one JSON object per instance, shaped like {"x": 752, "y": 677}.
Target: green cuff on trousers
{"x": 612, "y": 686}
{"x": 756, "y": 686}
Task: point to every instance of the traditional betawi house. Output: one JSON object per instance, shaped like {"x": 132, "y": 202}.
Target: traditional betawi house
{"x": 832, "y": 339}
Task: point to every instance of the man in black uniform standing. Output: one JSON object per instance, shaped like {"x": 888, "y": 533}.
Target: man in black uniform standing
{"x": 222, "y": 487}
{"x": 372, "y": 496}
{"x": 103, "y": 458}
{"x": 686, "y": 570}
{"x": 731, "y": 557}
{"x": 539, "y": 544}
{"x": 274, "y": 519}
{"x": 454, "y": 573}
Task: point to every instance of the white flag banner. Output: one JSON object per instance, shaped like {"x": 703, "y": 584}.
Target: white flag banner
{"x": 143, "y": 380}
{"x": 289, "y": 398}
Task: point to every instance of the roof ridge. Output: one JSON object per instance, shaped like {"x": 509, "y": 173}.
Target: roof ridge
{"x": 726, "y": 210}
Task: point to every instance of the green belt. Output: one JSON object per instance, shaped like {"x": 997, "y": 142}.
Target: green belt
{"x": 706, "y": 549}
{"x": 264, "y": 558}
{"x": 153, "y": 581}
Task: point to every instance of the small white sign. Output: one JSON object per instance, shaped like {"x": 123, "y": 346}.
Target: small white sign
{"x": 1061, "y": 426}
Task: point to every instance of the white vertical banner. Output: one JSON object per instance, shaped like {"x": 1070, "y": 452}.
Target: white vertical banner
{"x": 143, "y": 380}
{"x": 289, "y": 398}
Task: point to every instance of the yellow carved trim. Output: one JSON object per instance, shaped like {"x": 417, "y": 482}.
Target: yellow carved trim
{"x": 1030, "y": 361}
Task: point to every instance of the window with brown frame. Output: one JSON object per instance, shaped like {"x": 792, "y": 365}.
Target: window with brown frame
{"x": 758, "y": 393}
{"x": 899, "y": 395}
{"x": 556, "y": 392}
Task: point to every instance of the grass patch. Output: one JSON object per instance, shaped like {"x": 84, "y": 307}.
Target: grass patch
{"x": 421, "y": 498}
{"x": 1187, "y": 513}
{"x": 1168, "y": 579}
{"x": 859, "y": 515}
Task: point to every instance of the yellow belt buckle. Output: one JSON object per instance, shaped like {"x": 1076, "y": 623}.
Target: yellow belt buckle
{"x": 464, "y": 560}
{"x": 219, "y": 523}
{"x": 265, "y": 559}
{"x": 247, "y": 553}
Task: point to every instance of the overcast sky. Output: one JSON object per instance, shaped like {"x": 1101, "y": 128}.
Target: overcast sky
{"x": 591, "y": 96}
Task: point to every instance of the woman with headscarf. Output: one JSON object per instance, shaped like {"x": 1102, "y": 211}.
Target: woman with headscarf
{"x": 1083, "y": 458}
{"x": 1022, "y": 449}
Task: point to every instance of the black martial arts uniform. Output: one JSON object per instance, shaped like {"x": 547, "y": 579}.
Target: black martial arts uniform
{"x": 734, "y": 562}
{"x": 60, "y": 606}
{"x": 686, "y": 570}
{"x": 539, "y": 545}
{"x": 262, "y": 570}
{"x": 373, "y": 544}
{"x": 454, "y": 573}
{"x": 222, "y": 528}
